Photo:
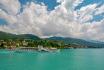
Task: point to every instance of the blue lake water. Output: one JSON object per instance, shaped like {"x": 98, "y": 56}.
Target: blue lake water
{"x": 67, "y": 59}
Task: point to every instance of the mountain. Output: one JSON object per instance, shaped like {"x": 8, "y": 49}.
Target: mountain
{"x": 68, "y": 40}
{"x": 28, "y": 36}
{"x": 4, "y": 35}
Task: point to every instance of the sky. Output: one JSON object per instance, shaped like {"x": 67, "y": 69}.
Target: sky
{"x": 83, "y": 19}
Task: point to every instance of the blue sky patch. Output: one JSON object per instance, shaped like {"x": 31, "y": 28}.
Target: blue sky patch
{"x": 87, "y": 2}
{"x": 97, "y": 17}
{"x": 3, "y": 21}
{"x": 51, "y": 4}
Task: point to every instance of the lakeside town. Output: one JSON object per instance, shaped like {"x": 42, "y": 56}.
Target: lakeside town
{"x": 28, "y": 43}
{"x": 13, "y": 41}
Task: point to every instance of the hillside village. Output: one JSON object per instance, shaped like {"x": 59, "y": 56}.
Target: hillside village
{"x": 12, "y": 44}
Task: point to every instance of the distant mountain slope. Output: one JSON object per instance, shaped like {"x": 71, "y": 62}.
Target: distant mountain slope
{"x": 4, "y": 35}
{"x": 28, "y": 36}
{"x": 78, "y": 41}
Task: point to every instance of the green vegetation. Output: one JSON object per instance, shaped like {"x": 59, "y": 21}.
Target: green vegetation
{"x": 8, "y": 40}
{"x": 12, "y": 44}
{"x": 6, "y": 36}
{"x": 68, "y": 40}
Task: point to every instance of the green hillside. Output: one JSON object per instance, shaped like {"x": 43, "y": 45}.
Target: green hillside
{"x": 78, "y": 41}
{"x": 65, "y": 40}
{"x": 4, "y": 35}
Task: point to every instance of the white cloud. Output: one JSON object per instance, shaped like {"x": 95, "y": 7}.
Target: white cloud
{"x": 10, "y": 6}
{"x": 9, "y": 18}
{"x": 63, "y": 21}
{"x": 85, "y": 13}
{"x": 77, "y": 2}
{"x": 99, "y": 10}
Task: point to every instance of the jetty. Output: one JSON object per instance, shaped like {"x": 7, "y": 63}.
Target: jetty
{"x": 39, "y": 48}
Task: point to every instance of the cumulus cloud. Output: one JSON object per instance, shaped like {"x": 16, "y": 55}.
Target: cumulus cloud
{"x": 86, "y": 13}
{"x": 99, "y": 10}
{"x": 62, "y": 21}
{"x": 10, "y": 6}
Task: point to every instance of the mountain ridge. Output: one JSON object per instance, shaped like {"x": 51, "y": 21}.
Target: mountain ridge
{"x": 78, "y": 41}
{"x": 4, "y": 35}
{"x": 66, "y": 40}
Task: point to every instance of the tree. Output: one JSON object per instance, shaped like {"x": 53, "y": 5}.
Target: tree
{"x": 2, "y": 46}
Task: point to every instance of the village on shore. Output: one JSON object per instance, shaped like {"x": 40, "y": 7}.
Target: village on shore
{"x": 36, "y": 44}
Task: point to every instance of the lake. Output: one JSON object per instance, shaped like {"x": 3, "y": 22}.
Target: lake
{"x": 66, "y": 59}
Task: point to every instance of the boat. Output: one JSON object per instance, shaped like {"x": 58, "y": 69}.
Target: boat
{"x": 41, "y": 48}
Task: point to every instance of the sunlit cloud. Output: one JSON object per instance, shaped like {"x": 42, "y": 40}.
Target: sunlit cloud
{"x": 63, "y": 20}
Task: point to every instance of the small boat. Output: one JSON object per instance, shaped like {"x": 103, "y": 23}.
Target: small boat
{"x": 41, "y": 48}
